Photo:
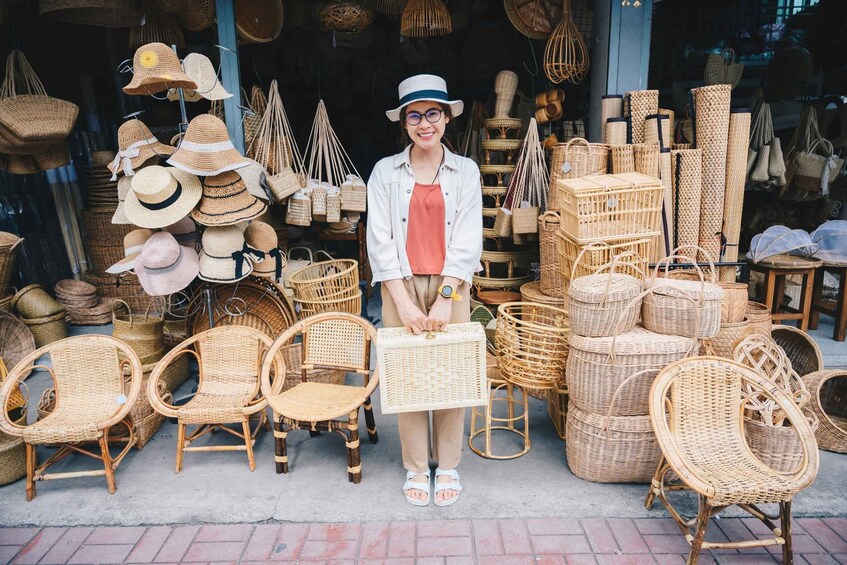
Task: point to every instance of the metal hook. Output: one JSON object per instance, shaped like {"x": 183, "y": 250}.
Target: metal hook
{"x": 125, "y": 66}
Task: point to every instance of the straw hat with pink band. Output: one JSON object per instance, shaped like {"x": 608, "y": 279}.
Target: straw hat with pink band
{"x": 124, "y": 184}
{"x": 155, "y": 68}
{"x": 226, "y": 201}
{"x": 225, "y": 256}
{"x": 133, "y": 244}
{"x": 161, "y": 196}
{"x": 164, "y": 266}
{"x": 262, "y": 237}
{"x": 185, "y": 232}
{"x": 136, "y": 146}
{"x": 206, "y": 149}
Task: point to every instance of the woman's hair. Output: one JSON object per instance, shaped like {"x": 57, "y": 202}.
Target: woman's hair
{"x": 404, "y": 134}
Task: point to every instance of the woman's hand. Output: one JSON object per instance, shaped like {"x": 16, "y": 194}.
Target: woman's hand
{"x": 439, "y": 314}
{"x": 412, "y": 317}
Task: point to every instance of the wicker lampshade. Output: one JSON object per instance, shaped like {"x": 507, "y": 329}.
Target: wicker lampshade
{"x": 566, "y": 56}
{"x": 390, "y": 7}
{"x": 425, "y": 18}
{"x": 104, "y": 13}
{"x": 155, "y": 27}
{"x": 345, "y": 16}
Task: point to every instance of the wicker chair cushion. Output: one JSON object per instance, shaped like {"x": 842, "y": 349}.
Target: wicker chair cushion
{"x": 220, "y": 407}
{"x": 318, "y": 402}
{"x": 64, "y": 426}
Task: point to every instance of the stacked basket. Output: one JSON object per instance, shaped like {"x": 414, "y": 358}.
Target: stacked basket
{"x": 327, "y": 286}
{"x": 9, "y": 243}
{"x": 83, "y": 305}
{"x": 44, "y": 317}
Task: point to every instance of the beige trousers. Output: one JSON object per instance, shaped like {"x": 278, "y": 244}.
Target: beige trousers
{"x": 448, "y": 426}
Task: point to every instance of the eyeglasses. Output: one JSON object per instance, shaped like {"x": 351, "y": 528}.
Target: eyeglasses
{"x": 432, "y": 116}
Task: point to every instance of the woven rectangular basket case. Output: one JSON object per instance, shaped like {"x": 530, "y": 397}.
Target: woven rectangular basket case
{"x": 603, "y": 207}
{"x": 592, "y": 260}
{"x": 354, "y": 196}
{"x": 433, "y": 370}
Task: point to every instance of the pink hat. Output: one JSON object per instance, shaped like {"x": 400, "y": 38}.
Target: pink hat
{"x": 165, "y": 266}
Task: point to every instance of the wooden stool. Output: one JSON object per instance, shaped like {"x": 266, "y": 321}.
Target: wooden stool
{"x": 775, "y": 270}
{"x": 837, "y": 309}
{"x": 517, "y": 411}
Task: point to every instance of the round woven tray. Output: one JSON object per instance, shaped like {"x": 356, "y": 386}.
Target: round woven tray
{"x": 508, "y": 123}
{"x": 494, "y": 190}
{"x": 496, "y": 169}
{"x": 535, "y": 19}
{"x": 263, "y": 306}
{"x": 259, "y": 21}
{"x": 501, "y": 144}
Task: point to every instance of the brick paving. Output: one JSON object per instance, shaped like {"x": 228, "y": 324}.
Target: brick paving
{"x": 537, "y": 541}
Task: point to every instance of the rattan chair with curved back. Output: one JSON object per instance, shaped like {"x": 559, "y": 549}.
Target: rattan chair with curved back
{"x": 229, "y": 360}
{"x": 93, "y": 394}
{"x": 697, "y": 411}
{"x": 331, "y": 340}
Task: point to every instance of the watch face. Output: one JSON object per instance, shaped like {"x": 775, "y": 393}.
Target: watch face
{"x": 447, "y": 291}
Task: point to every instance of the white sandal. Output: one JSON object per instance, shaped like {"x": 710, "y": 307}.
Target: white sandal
{"x": 454, "y": 485}
{"x": 412, "y": 485}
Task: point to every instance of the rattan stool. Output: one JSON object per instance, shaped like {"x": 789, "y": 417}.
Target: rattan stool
{"x": 837, "y": 310}
{"x": 517, "y": 411}
{"x": 775, "y": 270}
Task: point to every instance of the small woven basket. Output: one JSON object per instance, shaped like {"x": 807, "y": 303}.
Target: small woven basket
{"x": 145, "y": 332}
{"x": 623, "y": 159}
{"x": 801, "y": 349}
{"x": 336, "y": 278}
{"x": 581, "y": 157}
{"x": 780, "y": 448}
{"x": 829, "y": 398}
{"x": 597, "y": 303}
{"x": 318, "y": 197}
{"x": 724, "y": 342}
{"x": 47, "y": 329}
{"x": 299, "y": 212}
{"x": 759, "y": 316}
{"x": 354, "y": 195}
{"x": 734, "y": 302}
{"x": 32, "y": 301}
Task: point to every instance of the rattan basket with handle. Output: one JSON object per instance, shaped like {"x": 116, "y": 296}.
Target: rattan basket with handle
{"x": 597, "y": 302}
{"x": 145, "y": 332}
{"x": 598, "y": 254}
{"x": 551, "y": 279}
{"x": 828, "y": 400}
{"x": 574, "y": 159}
{"x": 336, "y": 278}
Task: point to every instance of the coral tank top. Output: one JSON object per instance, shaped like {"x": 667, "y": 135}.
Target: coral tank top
{"x": 425, "y": 245}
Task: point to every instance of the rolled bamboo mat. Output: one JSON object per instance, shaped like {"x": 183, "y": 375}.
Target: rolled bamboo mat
{"x": 615, "y": 131}
{"x": 711, "y": 128}
{"x": 736, "y": 163}
{"x": 640, "y": 104}
{"x": 665, "y": 175}
{"x": 671, "y": 115}
{"x": 657, "y": 130}
{"x": 611, "y": 106}
{"x": 687, "y": 171}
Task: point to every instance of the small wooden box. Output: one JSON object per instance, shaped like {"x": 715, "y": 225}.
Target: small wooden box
{"x": 433, "y": 370}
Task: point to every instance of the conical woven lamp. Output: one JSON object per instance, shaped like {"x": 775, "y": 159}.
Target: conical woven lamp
{"x": 425, "y": 18}
{"x": 390, "y": 7}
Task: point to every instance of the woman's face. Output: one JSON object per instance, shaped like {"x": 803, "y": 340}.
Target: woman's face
{"x": 427, "y": 132}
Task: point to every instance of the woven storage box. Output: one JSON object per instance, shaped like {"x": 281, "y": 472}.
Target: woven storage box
{"x": 670, "y": 307}
{"x": 801, "y": 349}
{"x": 432, "y": 370}
{"x": 599, "y": 366}
{"x": 597, "y": 304}
{"x": 829, "y": 404}
{"x": 574, "y": 159}
{"x": 603, "y": 207}
{"x": 601, "y": 253}
{"x": 613, "y": 449}
{"x": 551, "y": 279}
{"x": 780, "y": 448}
{"x": 623, "y": 159}
{"x": 759, "y": 315}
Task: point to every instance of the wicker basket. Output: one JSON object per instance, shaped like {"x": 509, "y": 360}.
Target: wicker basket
{"x": 551, "y": 279}
{"x": 759, "y": 315}
{"x": 531, "y": 292}
{"x": 351, "y": 304}
{"x": 6, "y": 303}
{"x": 47, "y": 329}
{"x": 724, "y": 342}
{"x": 432, "y": 371}
{"x": 101, "y": 257}
{"x": 106, "y": 13}
{"x": 9, "y": 243}
{"x": 574, "y": 159}
{"x": 597, "y": 303}
{"x": 557, "y": 408}
{"x": 604, "y": 207}
{"x": 98, "y": 226}
{"x": 780, "y": 448}
{"x": 623, "y": 159}
{"x": 16, "y": 341}
{"x": 801, "y": 349}
{"x": 601, "y": 253}
{"x": 12, "y": 454}
{"x": 611, "y": 449}
{"x": 734, "y": 302}
{"x": 354, "y": 195}
{"x": 332, "y": 279}
{"x": 318, "y": 197}
{"x": 532, "y": 344}
{"x": 32, "y": 301}
{"x": 646, "y": 159}
{"x": 829, "y": 398}
{"x": 143, "y": 332}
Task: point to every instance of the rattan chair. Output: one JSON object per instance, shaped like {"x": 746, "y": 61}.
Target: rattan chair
{"x": 93, "y": 393}
{"x": 696, "y": 408}
{"x": 229, "y": 359}
{"x": 332, "y": 340}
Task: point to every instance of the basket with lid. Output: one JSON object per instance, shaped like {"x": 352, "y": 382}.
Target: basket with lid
{"x": 596, "y": 302}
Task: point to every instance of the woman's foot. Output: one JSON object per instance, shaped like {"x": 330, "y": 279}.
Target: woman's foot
{"x": 447, "y": 487}
{"x": 416, "y": 488}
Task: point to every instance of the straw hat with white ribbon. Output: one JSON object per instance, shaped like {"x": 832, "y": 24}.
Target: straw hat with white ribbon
{"x": 136, "y": 145}
{"x": 206, "y": 149}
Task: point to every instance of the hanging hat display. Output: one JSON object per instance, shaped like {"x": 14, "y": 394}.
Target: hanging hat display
{"x": 262, "y": 237}
{"x": 133, "y": 244}
{"x": 156, "y": 68}
{"x": 203, "y": 72}
{"x": 226, "y": 201}
{"x": 254, "y": 176}
{"x": 119, "y": 217}
{"x": 136, "y": 146}
{"x": 161, "y": 196}
{"x": 206, "y": 149}
{"x": 225, "y": 256}
{"x": 164, "y": 266}
{"x": 185, "y": 232}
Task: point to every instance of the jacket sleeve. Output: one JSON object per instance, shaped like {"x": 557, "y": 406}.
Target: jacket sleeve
{"x": 465, "y": 246}
{"x": 382, "y": 250}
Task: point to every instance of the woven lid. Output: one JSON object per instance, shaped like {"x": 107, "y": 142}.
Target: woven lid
{"x": 136, "y": 145}
{"x": 226, "y": 201}
{"x": 638, "y": 341}
{"x": 224, "y": 257}
{"x": 593, "y": 288}
{"x": 156, "y": 68}
{"x": 164, "y": 266}
{"x": 161, "y": 196}
{"x": 682, "y": 288}
{"x": 206, "y": 149}
{"x": 133, "y": 244}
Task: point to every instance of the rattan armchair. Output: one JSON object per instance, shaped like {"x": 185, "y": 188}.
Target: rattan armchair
{"x": 93, "y": 393}
{"x": 229, "y": 359}
{"x": 334, "y": 340}
{"x": 697, "y": 411}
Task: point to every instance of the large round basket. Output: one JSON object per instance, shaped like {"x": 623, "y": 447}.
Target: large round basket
{"x": 829, "y": 404}
{"x": 333, "y": 279}
{"x": 780, "y": 448}
{"x": 9, "y": 243}
{"x": 254, "y": 302}
{"x": 258, "y": 22}
{"x": 32, "y": 301}
{"x": 532, "y": 344}
{"x": 611, "y": 449}
{"x": 16, "y": 341}
{"x": 804, "y": 353}
{"x": 47, "y": 329}
{"x": 668, "y": 309}
{"x": 535, "y": 19}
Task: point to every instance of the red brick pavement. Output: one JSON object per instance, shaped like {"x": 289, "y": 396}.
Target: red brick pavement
{"x": 554, "y": 541}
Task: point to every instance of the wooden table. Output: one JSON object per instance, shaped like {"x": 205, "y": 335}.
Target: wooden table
{"x": 775, "y": 270}
{"x": 837, "y": 309}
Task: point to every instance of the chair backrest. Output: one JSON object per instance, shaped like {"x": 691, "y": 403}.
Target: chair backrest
{"x": 232, "y": 354}
{"x": 334, "y": 341}
{"x": 88, "y": 371}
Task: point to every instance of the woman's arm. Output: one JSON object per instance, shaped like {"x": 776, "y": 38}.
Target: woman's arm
{"x": 411, "y": 316}
{"x": 382, "y": 250}
{"x": 465, "y": 246}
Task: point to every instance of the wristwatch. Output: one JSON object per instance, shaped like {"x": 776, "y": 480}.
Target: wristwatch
{"x": 448, "y": 291}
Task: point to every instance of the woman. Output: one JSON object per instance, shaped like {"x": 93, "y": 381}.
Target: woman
{"x": 424, "y": 245}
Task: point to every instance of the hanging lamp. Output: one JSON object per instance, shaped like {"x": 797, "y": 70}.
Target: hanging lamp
{"x": 390, "y": 7}
{"x": 425, "y": 18}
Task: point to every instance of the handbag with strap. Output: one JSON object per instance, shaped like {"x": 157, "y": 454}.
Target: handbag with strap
{"x": 814, "y": 163}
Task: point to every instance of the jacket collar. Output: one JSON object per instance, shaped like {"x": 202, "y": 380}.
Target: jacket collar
{"x": 451, "y": 161}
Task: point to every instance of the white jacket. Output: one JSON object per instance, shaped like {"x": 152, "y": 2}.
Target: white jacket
{"x": 389, "y": 194}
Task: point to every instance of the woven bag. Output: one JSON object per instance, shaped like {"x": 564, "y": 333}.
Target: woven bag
{"x": 333, "y": 206}
{"x": 721, "y": 68}
{"x": 144, "y": 333}
{"x": 354, "y": 194}
{"x": 597, "y": 303}
{"x": 318, "y": 197}
{"x": 299, "y": 212}
{"x": 285, "y": 183}
{"x": 252, "y": 119}
{"x": 274, "y": 145}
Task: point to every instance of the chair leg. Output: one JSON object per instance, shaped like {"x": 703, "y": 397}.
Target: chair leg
{"x": 354, "y": 458}
{"x": 785, "y": 524}
{"x": 702, "y": 521}
{"x": 107, "y": 462}
{"x": 655, "y": 484}
{"x": 369, "y": 421}
{"x": 31, "y": 464}
{"x": 248, "y": 441}
{"x": 180, "y": 445}
{"x": 280, "y": 449}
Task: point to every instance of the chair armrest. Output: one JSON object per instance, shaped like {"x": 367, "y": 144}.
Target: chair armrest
{"x": 158, "y": 404}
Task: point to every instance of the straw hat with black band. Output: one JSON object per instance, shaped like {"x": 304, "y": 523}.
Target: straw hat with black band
{"x": 161, "y": 196}
{"x": 133, "y": 244}
{"x": 226, "y": 201}
{"x": 206, "y": 149}
{"x": 136, "y": 146}
{"x": 419, "y": 88}
{"x": 155, "y": 68}
{"x": 225, "y": 256}
{"x": 164, "y": 266}
{"x": 262, "y": 237}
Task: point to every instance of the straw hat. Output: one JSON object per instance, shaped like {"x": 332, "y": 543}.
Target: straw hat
{"x": 254, "y": 176}
{"x": 133, "y": 244}
{"x": 184, "y": 231}
{"x": 200, "y": 68}
{"x": 226, "y": 201}
{"x": 206, "y": 149}
{"x": 225, "y": 257}
{"x": 165, "y": 266}
{"x": 262, "y": 237}
{"x": 161, "y": 196}
{"x": 136, "y": 145}
{"x": 155, "y": 68}
{"x": 418, "y": 88}
{"x": 119, "y": 217}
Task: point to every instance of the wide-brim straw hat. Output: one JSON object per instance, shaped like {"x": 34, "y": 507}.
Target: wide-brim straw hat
{"x": 136, "y": 145}
{"x": 164, "y": 266}
{"x": 161, "y": 196}
{"x": 119, "y": 217}
{"x": 184, "y": 231}
{"x": 224, "y": 257}
{"x": 263, "y": 238}
{"x": 206, "y": 149}
{"x": 226, "y": 201}
{"x": 133, "y": 244}
{"x": 200, "y": 68}
{"x": 419, "y": 88}
{"x": 252, "y": 175}
{"x": 156, "y": 68}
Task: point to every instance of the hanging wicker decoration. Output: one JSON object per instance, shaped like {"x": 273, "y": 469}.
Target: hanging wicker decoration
{"x": 344, "y": 16}
{"x": 155, "y": 26}
{"x": 390, "y": 7}
{"x": 103, "y": 13}
{"x": 425, "y": 18}
{"x": 196, "y": 15}
{"x": 258, "y": 22}
{"x": 325, "y": 157}
{"x": 566, "y": 56}
{"x": 535, "y": 19}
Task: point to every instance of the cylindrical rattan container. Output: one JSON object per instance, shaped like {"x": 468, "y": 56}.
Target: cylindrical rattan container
{"x": 532, "y": 344}
{"x": 829, "y": 404}
{"x": 611, "y": 449}
{"x": 47, "y": 329}
{"x": 759, "y": 316}
{"x": 611, "y": 108}
{"x": 600, "y": 305}
{"x": 615, "y": 131}
{"x": 336, "y": 278}
{"x": 686, "y": 174}
{"x": 101, "y": 257}
{"x": 9, "y": 243}
{"x": 584, "y": 158}
{"x": 779, "y": 448}
{"x": 639, "y": 104}
{"x": 801, "y": 349}
{"x": 646, "y": 158}
{"x": 623, "y": 159}
{"x": 734, "y": 302}
{"x": 728, "y": 336}
{"x": 657, "y": 130}
{"x": 143, "y": 332}
{"x": 33, "y": 301}
{"x": 531, "y": 292}
{"x": 551, "y": 279}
